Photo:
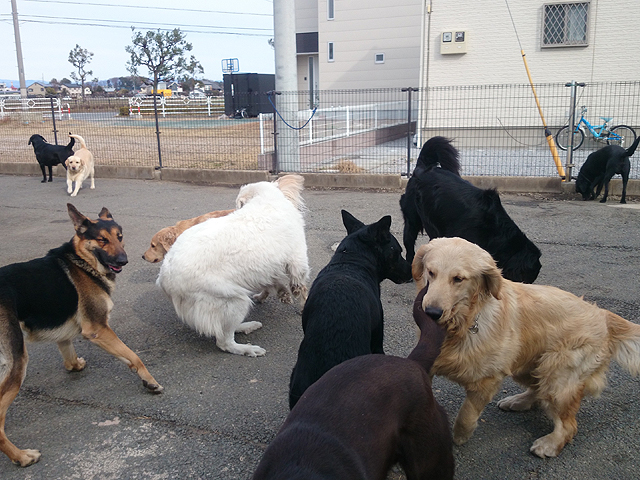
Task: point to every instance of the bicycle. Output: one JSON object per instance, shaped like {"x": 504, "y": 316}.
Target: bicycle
{"x": 622, "y": 135}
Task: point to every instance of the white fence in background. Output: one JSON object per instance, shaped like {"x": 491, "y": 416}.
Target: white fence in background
{"x": 16, "y": 104}
{"x": 176, "y": 105}
{"x": 344, "y": 121}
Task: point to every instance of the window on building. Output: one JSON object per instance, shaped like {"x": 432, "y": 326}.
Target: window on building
{"x": 330, "y": 9}
{"x": 565, "y": 24}
{"x": 330, "y": 52}
{"x": 379, "y": 57}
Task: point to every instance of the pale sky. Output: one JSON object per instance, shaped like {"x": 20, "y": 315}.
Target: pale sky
{"x": 50, "y": 29}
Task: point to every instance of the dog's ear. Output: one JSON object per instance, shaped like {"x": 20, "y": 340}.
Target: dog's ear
{"x": 104, "y": 214}
{"x": 417, "y": 266}
{"x": 66, "y": 162}
{"x": 350, "y": 222}
{"x": 167, "y": 237}
{"x": 80, "y": 222}
{"x": 492, "y": 277}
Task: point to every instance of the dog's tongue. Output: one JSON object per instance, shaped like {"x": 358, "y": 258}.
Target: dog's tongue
{"x": 115, "y": 269}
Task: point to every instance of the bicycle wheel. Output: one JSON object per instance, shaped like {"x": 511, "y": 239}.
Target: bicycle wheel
{"x": 621, "y": 135}
{"x": 563, "y": 138}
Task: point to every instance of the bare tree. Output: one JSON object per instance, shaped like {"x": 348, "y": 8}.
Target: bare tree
{"x": 162, "y": 53}
{"x": 80, "y": 57}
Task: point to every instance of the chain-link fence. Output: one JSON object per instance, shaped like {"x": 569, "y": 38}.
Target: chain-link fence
{"x": 497, "y": 128}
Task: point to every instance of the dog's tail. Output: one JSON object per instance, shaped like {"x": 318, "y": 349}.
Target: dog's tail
{"x": 632, "y": 149}
{"x": 625, "y": 342}
{"x": 292, "y": 186}
{"x": 80, "y": 139}
{"x": 431, "y": 335}
{"x": 439, "y": 151}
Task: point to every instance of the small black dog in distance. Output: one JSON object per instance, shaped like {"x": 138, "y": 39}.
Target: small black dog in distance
{"x": 600, "y": 167}
{"x": 365, "y": 415}
{"x": 439, "y": 202}
{"x": 342, "y": 317}
{"x": 49, "y": 155}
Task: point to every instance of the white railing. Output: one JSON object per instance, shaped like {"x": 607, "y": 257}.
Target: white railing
{"x": 343, "y": 121}
{"x": 176, "y": 105}
{"x": 9, "y": 105}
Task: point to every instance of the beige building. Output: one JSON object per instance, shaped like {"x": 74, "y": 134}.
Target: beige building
{"x": 587, "y": 41}
{"x": 358, "y": 44}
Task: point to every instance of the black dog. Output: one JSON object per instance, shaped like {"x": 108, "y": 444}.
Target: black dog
{"x": 437, "y": 200}
{"x": 600, "y": 166}
{"x": 365, "y": 415}
{"x": 49, "y": 155}
{"x": 342, "y": 317}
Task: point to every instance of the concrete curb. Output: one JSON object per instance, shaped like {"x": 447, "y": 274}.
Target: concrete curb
{"x": 316, "y": 180}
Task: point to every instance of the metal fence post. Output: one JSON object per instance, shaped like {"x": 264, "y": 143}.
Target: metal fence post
{"x": 572, "y": 127}
{"x": 275, "y": 162}
{"x": 409, "y": 133}
{"x": 53, "y": 117}
{"x": 155, "y": 112}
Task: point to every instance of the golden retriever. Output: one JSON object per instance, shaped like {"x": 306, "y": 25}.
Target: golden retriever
{"x": 553, "y": 343}
{"x": 80, "y": 165}
{"x": 161, "y": 242}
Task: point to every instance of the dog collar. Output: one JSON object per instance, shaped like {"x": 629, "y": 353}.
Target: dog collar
{"x": 474, "y": 328}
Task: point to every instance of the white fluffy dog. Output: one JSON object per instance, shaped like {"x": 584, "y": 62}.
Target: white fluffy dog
{"x": 214, "y": 269}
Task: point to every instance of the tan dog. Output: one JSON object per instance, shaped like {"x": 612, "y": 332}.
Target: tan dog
{"x": 553, "y": 343}
{"x": 80, "y": 165}
{"x": 161, "y": 242}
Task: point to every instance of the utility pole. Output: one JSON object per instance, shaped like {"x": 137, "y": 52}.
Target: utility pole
{"x": 16, "y": 30}
{"x": 284, "y": 32}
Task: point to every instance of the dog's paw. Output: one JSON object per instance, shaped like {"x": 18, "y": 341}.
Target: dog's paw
{"x": 153, "y": 387}
{"x": 299, "y": 291}
{"x": 546, "y": 446}
{"x": 261, "y": 297}
{"x": 462, "y": 433}
{"x": 517, "y": 403}
{"x": 284, "y": 296}
{"x": 27, "y": 457}
{"x": 76, "y": 365}
{"x": 248, "y": 327}
{"x": 255, "y": 351}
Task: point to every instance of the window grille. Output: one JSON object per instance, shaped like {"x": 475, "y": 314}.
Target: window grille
{"x": 565, "y": 24}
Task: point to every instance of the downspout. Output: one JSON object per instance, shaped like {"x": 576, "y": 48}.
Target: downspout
{"x": 425, "y": 54}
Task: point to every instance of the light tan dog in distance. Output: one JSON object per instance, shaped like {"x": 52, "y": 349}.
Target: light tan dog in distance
{"x": 80, "y": 165}
{"x": 553, "y": 343}
{"x": 162, "y": 241}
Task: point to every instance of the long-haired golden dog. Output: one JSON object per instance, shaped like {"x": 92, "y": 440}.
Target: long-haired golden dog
{"x": 553, "y": 343}
{"x": 163, "y": 239}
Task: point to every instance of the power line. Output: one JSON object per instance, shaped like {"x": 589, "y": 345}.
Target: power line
{"x": 27, "y": 17}
{"x": 163, "y": 29}
{"x": 151, "y": 8}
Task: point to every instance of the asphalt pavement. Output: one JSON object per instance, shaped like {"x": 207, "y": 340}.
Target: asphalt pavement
{"x": 220, "y": 411}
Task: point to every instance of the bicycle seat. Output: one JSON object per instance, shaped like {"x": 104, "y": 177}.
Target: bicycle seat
{"x": 607, "y": 119}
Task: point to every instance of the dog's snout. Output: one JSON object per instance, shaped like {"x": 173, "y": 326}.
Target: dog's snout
{"x": 433, "y": 312}
{"x": 122, "y": 260}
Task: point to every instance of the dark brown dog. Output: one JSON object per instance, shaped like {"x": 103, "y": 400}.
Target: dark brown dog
{"x": 365, "y": 415}
{"x": 55, "y": 298}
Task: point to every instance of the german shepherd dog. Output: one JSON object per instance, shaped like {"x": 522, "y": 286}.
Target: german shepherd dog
{"x": 55, "y": 298}
{"x": 343, "y": 317}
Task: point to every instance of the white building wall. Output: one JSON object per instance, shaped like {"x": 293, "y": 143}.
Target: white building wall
{"x": 493, "y": 54}
{"x": 360, "y": 30}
